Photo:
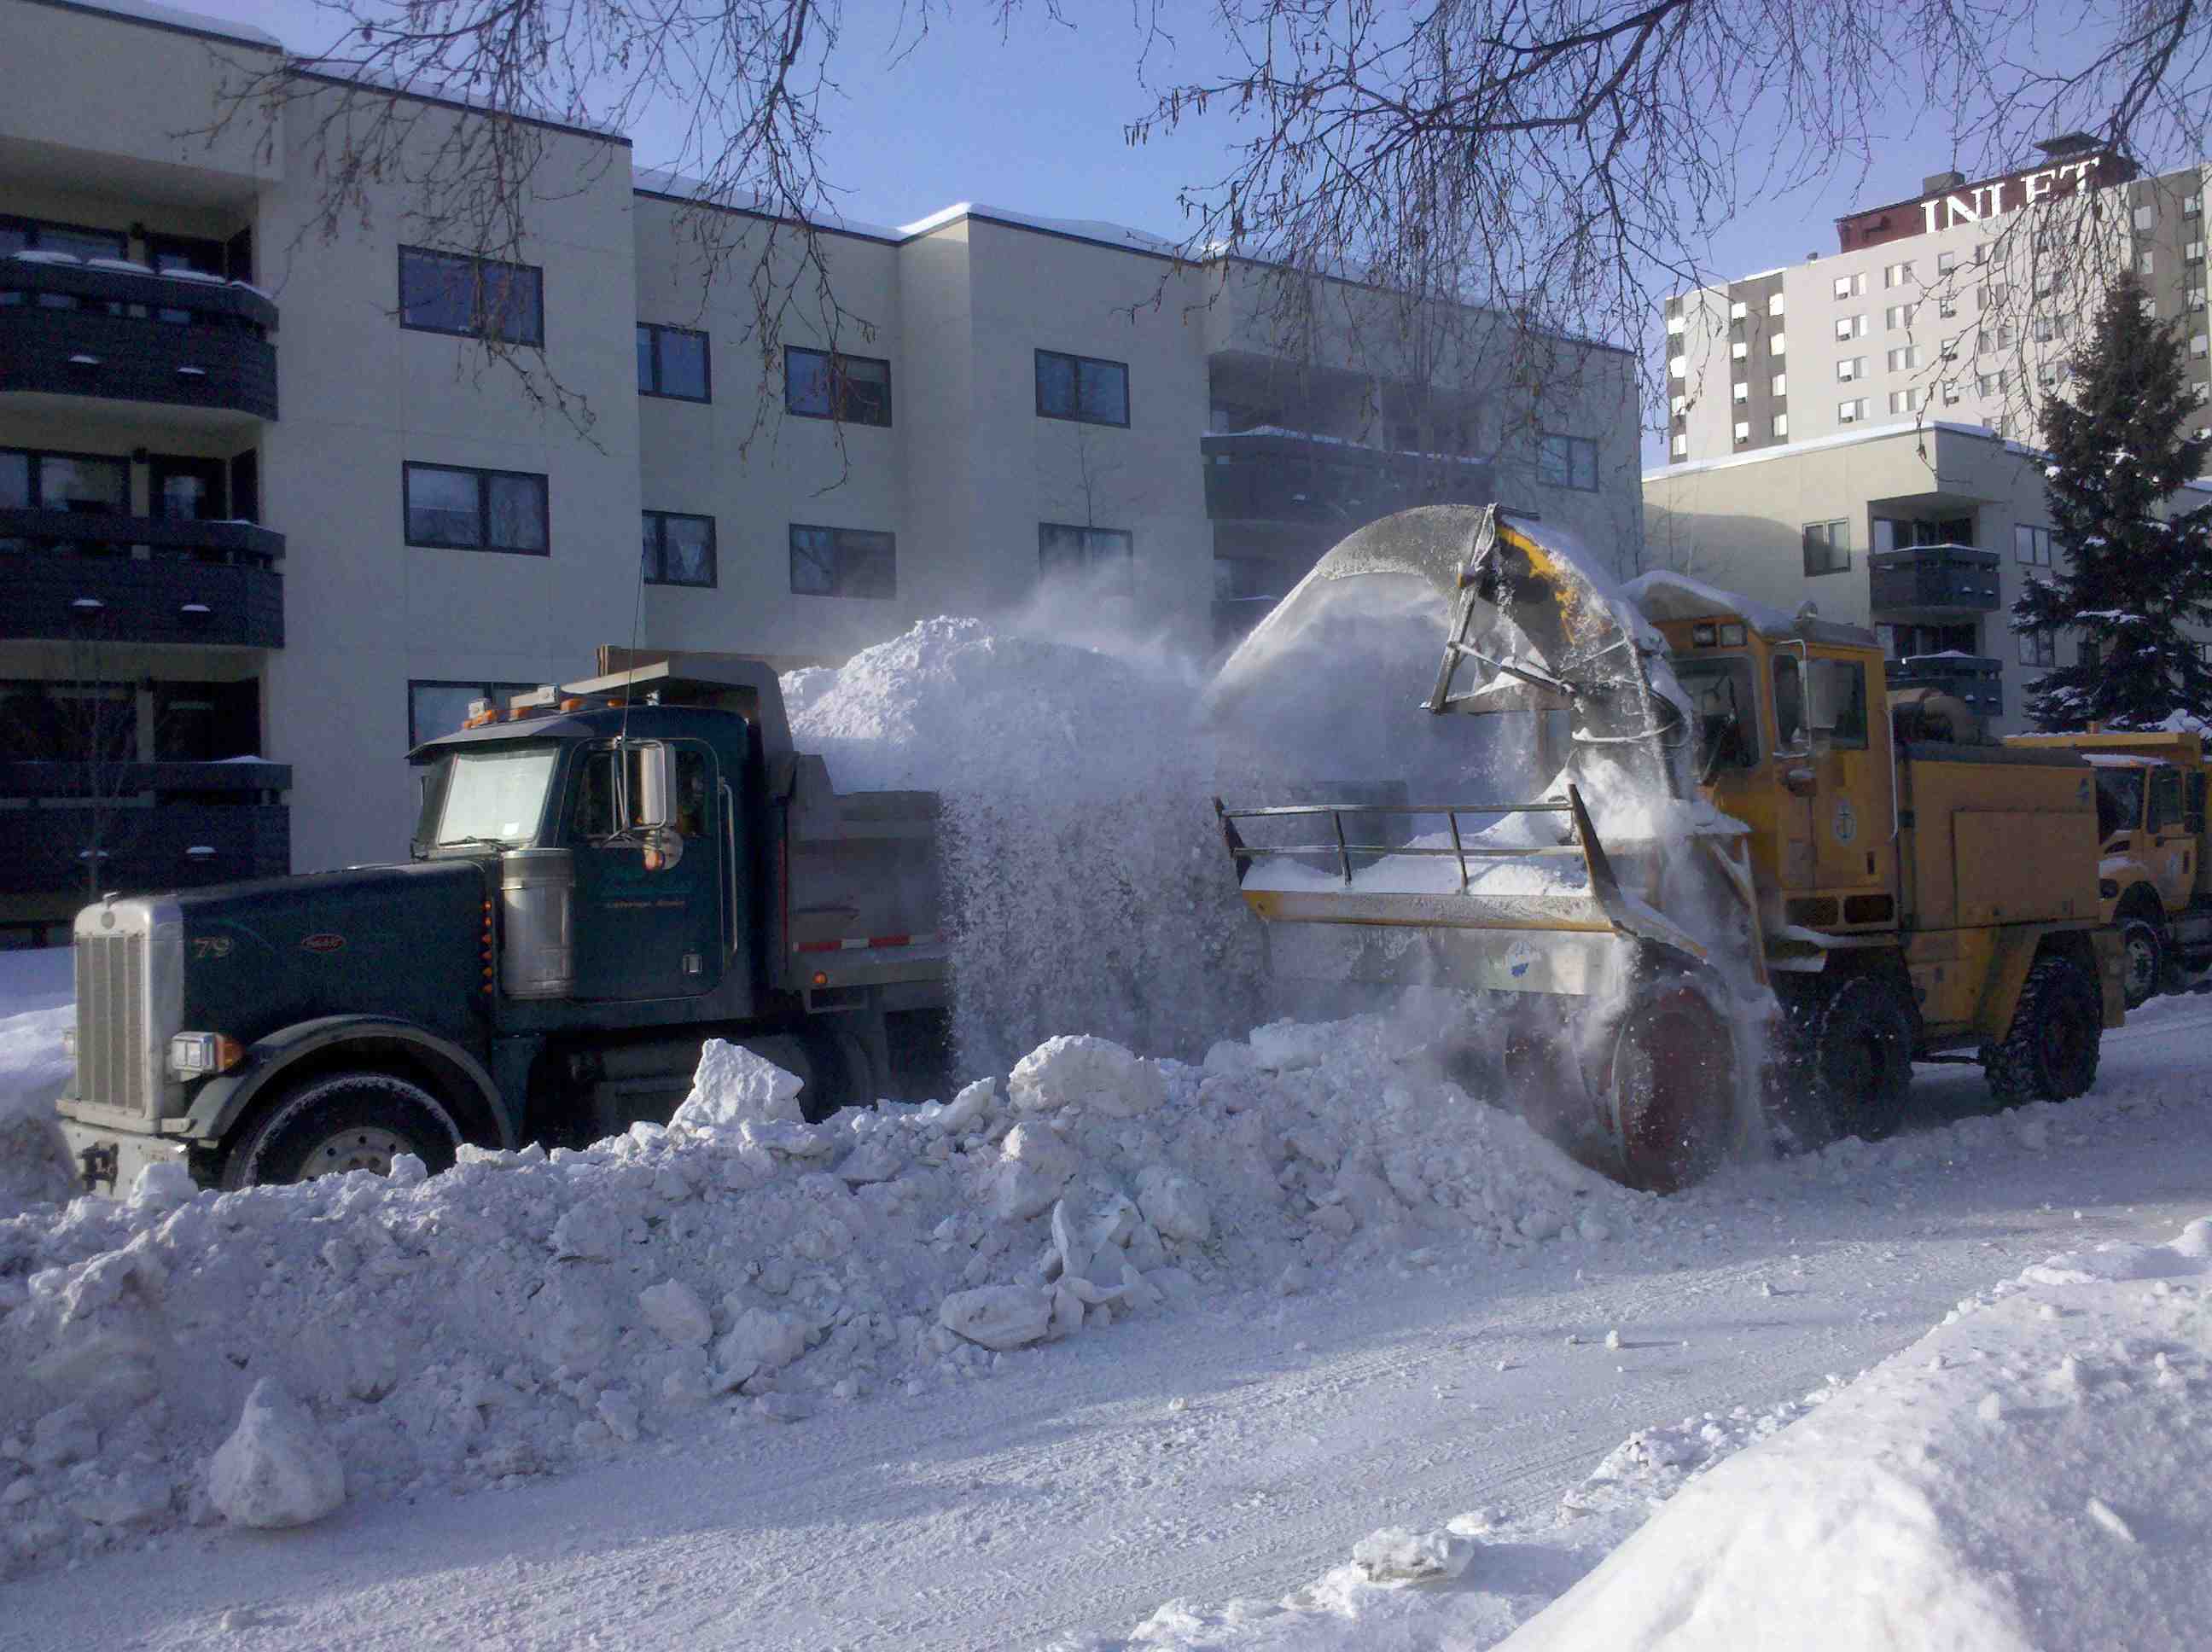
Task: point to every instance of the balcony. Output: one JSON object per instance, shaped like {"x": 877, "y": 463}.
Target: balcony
{"x": 1932, "y": 580}
{"x": 1288, "y": 476}
{"x": 49, "y": 850}
{"x": 136, "y": 579}
{"x": 1974, "y": 678}
{"x": 119, "y": 332}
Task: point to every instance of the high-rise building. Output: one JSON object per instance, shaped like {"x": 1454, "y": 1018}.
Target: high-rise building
{"x": 269, "y": 511}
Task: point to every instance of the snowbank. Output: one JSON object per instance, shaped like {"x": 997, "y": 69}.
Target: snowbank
{"x": 2031, "y": 1475}
{"x": 36, "y": 1006}
{"x": 741, "y": 1268}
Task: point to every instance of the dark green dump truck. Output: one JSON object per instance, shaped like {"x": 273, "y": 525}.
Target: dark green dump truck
{"x": 603, "y": 877}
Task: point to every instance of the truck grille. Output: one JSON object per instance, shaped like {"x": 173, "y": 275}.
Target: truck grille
{"x": 112, "y": 1038}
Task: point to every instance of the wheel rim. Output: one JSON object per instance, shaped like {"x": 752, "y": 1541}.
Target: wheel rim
{"x": 2143, "y": 964}
{"x": 360, "y": 1147}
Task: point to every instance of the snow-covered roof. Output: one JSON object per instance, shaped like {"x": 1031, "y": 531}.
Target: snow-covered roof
{"x": 1085, "y": 229}
{"x": 145, "y": 11}
{"x": 1841, "y": 439}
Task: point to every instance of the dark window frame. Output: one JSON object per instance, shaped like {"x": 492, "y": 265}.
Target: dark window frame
{"x": 16, "y": 731}
{"x": 34, "y": 455}
{"x": 1079, "y": 362}
{"x": 484, "y": 479}
{"x": 840, "y": 382}
{"x": 481, "y": 327}
{"x": 706, "y": 362}
{"x": 32, "y": 226}
{"x": 661, "y": 520}
{"x": 890, "y": 547}
{"x": 1576, "y": 444}
{"x": 1838, "y": 559}
{"x": 2038, "y": 648}
{"x": 486, "y": 688}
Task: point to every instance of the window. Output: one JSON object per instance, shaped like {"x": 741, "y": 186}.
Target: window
{"x": 1675, "y": 323}
{"x": 1896, "y": 275}
{"x": 855, "y": 389}
{"x": 2146, "y": 216}
{"x": 1064, "y": 548}
{"x": 453, "y": 293}
{"x": 1678, "y": 405}
{"x": 2199, "y": 344}
{"x": 1080, "y": 388}
{"x": 1994, "y": 384}
{"x": 1850, "y": 326}
{"x": 78, "y": 722}
{"x": 2165, "y": 810}
{"x": 678, "y": 549}
{"x": 1780, "y": 383}
{"x": 1739, "y": 311}
{"x": 671, "y": 361}
{"x": 1678, "y": 367}
{"x": 2192, "y": 205}
{"x": 1777, "y": 343}
{"x": 842, "y": 562}
{"x": 1774, "y": 304}
{"x": 1898, "y": 316}
{"x": 1742, "y": 392}
{"x": 1946, "y": 307}
{"x": 1828, "y": 547}
{"x": 1781, "y": 424}
{"x": 1739, "y": 350}
{"x": 38, "y": 235}
{"x": 2039, "y": 647}
{"x": 1839, "y": 694}
{"x": 2194, "y": 251}
{"x": 439, "y": 707}
{"x": 1851, "y": 286}
{"x": 1950, "y": 348}
{"x": 452, "y": 508}
{"x": 1852, "y": 412}
{"x": 1742, "y": 431}
{"x": 1946, "y": 263}
{"x": 1950, "y": 392}
{"x": 83, "y": 484}
{"x": 2146, "y": 264}
{"x": 1680, "y": 448}
{"x": 1567, "y": 462}
{"x": 1850, "y": 367}
{"x": 2031, "y": 547}
{"x": 1907, "y": 401}
{"x": 1905, "y": 358}
{"x": 1993, "y": 295}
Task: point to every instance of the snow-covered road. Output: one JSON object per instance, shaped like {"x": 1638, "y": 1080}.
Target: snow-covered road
{"x": 1207, "y": 1454}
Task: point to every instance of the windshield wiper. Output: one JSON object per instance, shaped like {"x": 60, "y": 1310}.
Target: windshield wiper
{"x": 463, "y": 842}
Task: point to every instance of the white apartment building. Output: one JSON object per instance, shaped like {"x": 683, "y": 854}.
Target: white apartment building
{"x": 272, "y": 517}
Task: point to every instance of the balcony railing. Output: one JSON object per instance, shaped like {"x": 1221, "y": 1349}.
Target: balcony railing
{"x": 64, "y": 576}
{"x": 1288, "y": 476}
{"x": 1932, "y": 579}
{"x": 66, "y": 849}
{"x": 1974, "y": 678}
{"x": 122, "y": 333}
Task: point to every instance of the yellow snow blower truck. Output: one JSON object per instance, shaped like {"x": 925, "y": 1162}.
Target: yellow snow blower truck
{"x": 2156, "y": 889}
{"x": 1753, "y": 889}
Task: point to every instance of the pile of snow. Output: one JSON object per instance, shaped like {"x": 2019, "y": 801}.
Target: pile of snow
{"x": 1086, "y": 881}
{"x": 2032, "y": 1473}
{"x": 36, "y": 1006}
{"x": 738, "y": 1268}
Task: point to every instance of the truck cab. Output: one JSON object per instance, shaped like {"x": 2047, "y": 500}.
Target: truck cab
{"x": 2152, "y": 879}
{"x": 602, "y": 877}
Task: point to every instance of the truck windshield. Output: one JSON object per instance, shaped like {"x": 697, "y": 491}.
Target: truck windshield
{"x": 2119, "y": 800}
{"x": 1723, "y": 709}
{"x": 496, "y": 796}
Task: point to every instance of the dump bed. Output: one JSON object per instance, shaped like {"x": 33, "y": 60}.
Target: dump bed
{"x": 1990, "y": 835}
{"x": 857, "y": 883}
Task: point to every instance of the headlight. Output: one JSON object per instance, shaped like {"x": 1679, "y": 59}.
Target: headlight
{"x": 198, "y": 1054}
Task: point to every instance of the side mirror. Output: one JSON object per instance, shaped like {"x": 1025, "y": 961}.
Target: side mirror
{"x": 664, "y": 847}
{"x": 649, "y": 771}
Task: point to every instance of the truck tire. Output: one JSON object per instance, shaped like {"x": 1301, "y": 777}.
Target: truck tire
{"x": 1672, "y": 1085}
{"x": 1859, "y": 1061}
{"x": 352, "y": 1121}
{"x": 2142, "y": 943}
{"x": 2050, "y": 1055}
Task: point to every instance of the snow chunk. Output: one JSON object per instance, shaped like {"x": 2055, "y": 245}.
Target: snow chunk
{"x": 674, "y": 1309}
{"x": 759, "y": 1340}
{"x": 998, "y": 1316}
{"x": 1037, "y": 1165}
{"x": 276, "y": 1469}
{"x": 1095, "y": 1073}
{"x": 1174, "y": 1204}
{"x": 1394, "y": 1555}
{"x": 733, "y": 1085}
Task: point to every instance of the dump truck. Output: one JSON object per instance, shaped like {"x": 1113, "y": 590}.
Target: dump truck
{"x": 1757, "y": 889}
{"x": 2150, "y": 821}
{"x": 605, "y": 875}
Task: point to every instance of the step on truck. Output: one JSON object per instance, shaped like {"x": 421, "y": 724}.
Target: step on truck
{"x": 603, "y": 876}
{"x": 2153, "y": 880}
{"x": 1755, "y": 885}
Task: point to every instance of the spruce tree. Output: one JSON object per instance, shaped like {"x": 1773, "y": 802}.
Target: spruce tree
{"x": 2124, "y": 580}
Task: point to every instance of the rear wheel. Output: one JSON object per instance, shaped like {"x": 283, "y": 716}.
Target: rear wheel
{"x": 343, "y": 1122}
{"x": 2142, "y": 943}
{"x": 1860, "y": 1059}
{"x": 2050, "y": 1055}
{"x": 1673, "y": 1086}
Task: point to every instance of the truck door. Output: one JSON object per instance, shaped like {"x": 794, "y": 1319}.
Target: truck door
{"x": 640, "y": 933}
{"x": 1853, "y": 780}
{"x": 2172, "y": 852}
{"x": 1794, "y": 773}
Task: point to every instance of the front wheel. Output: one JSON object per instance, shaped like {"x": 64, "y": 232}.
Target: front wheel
{"x": 2050, "y": 1053}
{"x": 1862, "y": 1055}
{"x": 1673, "y": 1086}
{"x": 2142, "y": 944}
{"x": 339, "y": 1123}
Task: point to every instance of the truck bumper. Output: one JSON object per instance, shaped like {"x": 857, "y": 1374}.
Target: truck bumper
{"x": 110, "y": 1160}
